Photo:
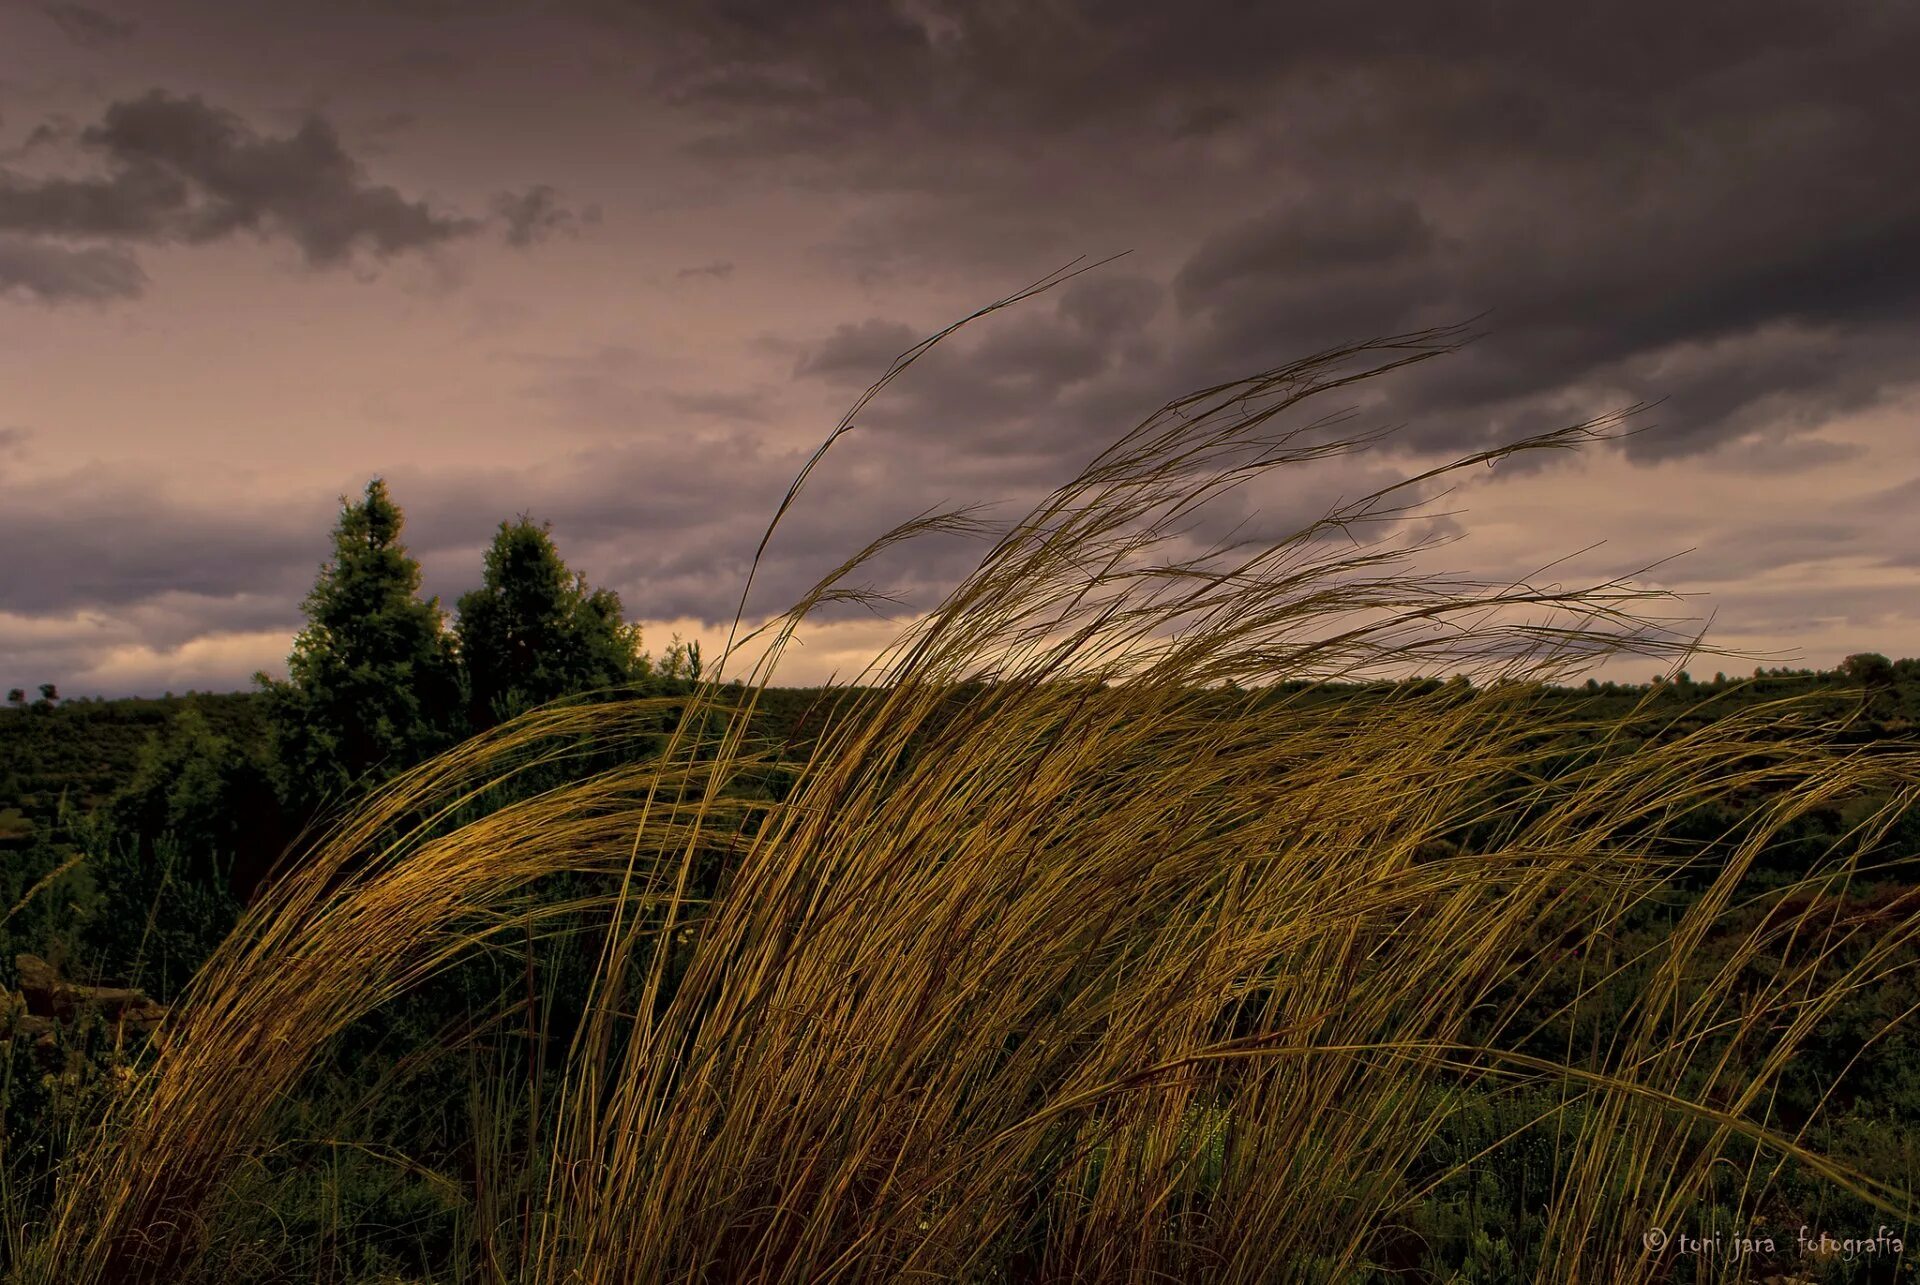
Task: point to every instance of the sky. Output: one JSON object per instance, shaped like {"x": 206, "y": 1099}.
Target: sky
{"x": 621, "y": 266}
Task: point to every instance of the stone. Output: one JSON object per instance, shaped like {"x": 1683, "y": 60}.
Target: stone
{"x": 50, "y": 996}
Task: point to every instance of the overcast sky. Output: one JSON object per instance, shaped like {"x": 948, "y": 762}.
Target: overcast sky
{"x": 622, "y": 265}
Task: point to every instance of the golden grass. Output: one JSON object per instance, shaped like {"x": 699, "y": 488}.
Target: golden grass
{"x": 1079, "y": 951}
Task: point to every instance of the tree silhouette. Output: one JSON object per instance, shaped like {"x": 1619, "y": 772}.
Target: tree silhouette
{"x": 534, "y": 631}
{"x": 372, "y": 685}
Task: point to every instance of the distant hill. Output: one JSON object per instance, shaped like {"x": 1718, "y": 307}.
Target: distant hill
{"x": 83, "y": 750}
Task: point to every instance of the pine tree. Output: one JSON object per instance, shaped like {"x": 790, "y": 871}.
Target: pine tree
{"x": 534, "y": 631}
{"x": 372, "y": 683}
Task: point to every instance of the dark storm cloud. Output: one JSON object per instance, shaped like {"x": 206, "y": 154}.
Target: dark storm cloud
{"x": 50, "y": 133}
{"x": 1047, "y": 384}
{"x": 208, "y": 175}
{"x": 179, "y": 169}
{"x": 1475, "y": 76}
{"x": 1011, "y": 387}
{"x": 1726, "y": 305}
{"x": 1613, "y": 191}
{"x": 1323, "y": 240}
{"x": 1612, "y": 194}
{"x": 140, "y": 201}
{"x": 1319, "y": 270}
{"x": 86, "y": 26}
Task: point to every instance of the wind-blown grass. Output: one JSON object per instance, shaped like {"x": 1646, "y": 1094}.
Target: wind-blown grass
{"x": 1087, "y": 944}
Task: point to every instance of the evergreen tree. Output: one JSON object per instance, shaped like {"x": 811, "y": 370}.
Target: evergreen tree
{"x": 534, "y": 631}
{"x": 681, "y": 662}
{"x": 372, "y": 683}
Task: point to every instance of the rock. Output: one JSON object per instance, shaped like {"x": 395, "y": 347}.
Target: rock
{"x": 49, "y": 996}
{"x": 17, "y": 1023}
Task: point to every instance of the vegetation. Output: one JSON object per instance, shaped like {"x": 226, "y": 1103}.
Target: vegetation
{"x": 1133, "y": 918}
{"x": 533, "y": 633}
{"x": 373, "y": 682}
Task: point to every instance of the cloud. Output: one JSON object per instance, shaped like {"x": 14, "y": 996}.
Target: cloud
{"x": 1315, "y": 240}
{"x": 93, "y": 654}
{"x": 718, "y": 270}
{"x": 1480, "y": 74}
{"x": 1113, "y": 304}
{"x": 1048, "y": 383}
{"x": 144, "y": 200}
{"x": 54, "y": 274}
{"x": 179, "y": 170}
{"x": 204, "y": 175}
{"x": 1307, "y": 174}
{"x": 858, "y": 351}
{"x": 86, "y": 26}
{"x": 536, "y": 214}
{"x": 72, "y": 547}
{"x": 111, "y": 586}
{"x": 56, "y": 131}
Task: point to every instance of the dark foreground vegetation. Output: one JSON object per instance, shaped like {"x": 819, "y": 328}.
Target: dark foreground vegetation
{"x": 1125, "y": 922}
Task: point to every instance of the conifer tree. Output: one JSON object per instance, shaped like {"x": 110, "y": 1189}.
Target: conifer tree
{"x": 372, "y": 683}
{"x": 534, "y": 631}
